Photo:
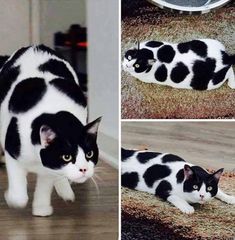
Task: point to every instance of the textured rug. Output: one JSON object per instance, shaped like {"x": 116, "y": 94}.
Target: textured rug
{"x": 142, "y": 20}
{"x": 145, "y": 217}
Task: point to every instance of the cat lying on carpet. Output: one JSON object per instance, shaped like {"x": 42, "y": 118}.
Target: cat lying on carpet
{"x": 199, "y": 64}
{"x": 43, "y": 128}
{"x": 171, "y": 178}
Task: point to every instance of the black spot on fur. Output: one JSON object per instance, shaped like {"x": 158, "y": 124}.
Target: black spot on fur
{"x": 7, "y": 78}
{"x": 130, "y": 180}
{"x": 166, "y": 54}
{"x": 171, "y": 158}
{"x": 13, "y": 59}
{"x": 154, "y": 173}
{"x": 203, "y": 73}
{"x": 12, "y": 141}
{"x": 69, "y": 87}
{"x": 27, "y": 94}
{"x": 179, "y": 72}
{"x": 199, "y": 47}
{"x": 46, "y": 49}
{"x": 144, "y": 157}
{"x": 153, "y": 44}
{"x": 220, "y": 75}
{"x": 126, "y": 154}
{"x": 3, "y": 60}
{"x": 161, "y": 73}
{"x": 163, "y": 190}
{"x": 183, "y": 47}
{"x": 70, "y": 134}
{"x": 57, "y": 68}
{"x": 180, "y": 176}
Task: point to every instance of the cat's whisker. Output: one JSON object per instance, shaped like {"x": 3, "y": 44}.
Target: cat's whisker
{"x": 99, "y": 178}
{"x": 96, "y": 186}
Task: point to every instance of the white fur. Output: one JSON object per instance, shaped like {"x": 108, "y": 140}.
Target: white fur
{"x": 29, "y": 159}
{"x": 178, "y": 197}
{"x": 214, "y": 51}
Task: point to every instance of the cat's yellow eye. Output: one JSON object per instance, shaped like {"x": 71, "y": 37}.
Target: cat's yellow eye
{"x": 195, "y": 187}
{"x": 209, "y": 188}
{"x": 129, "y": 57}
{"x": 137, "y": 65}
{"x": 89, "y": 154}
{"x": 67, "y": 158}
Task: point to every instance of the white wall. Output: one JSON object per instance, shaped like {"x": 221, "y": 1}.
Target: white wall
{"x": 103, "y": 55}
{"x": 14, "y": 25}
{"x": 58, "y": 15}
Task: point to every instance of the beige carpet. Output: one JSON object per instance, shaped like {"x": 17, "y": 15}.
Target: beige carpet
{"x": 143, "y": 21}
{"x": 145, "y": 217}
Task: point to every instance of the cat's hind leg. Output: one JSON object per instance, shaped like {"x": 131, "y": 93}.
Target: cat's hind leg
{"x": 16, "y": 195}
{"x": 231, "y": 78}
{"x": 181, "y": 204}
{"x": 42, "y": 196}
{"x": 64, "y": 190}
{"x": 225, "y": 197}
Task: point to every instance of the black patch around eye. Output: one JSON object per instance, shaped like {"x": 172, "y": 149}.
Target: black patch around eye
{"x": 161, "y": 73}
{"x": 144, "y": 157}
{"x": 71, "y": 89}
{"x": 180, "y": 176}
{"x": 166, "y": 54}
{"x": 130, "y": 180}
{"x": 126, "y": 154}
{"x": 153, "y": 44}
{"x": 27, "y": 94}
{"x": 7, "y": 78}
{"x": 171, "y": 158}
{"x": 132, "y": 53}
{"x": 154, "y": 173}
{"x": 199, "y": 47}
{"x": 57, "y": 68}
{"x": 12, "y": 141}
{"x": 203, "y": 73}
{"x": 179, "y": 72}
{"x": 163, "y": 190}
{"x": 220, "y": 75}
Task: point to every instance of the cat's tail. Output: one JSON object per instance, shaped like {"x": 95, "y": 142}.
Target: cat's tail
{"x": 228, "y": 59}
{"x": 3, "y": 59}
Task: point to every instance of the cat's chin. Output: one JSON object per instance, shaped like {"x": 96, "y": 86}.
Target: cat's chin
{"x": 79, "y": 180}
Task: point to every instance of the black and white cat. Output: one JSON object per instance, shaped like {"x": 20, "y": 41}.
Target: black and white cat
{"x": 171, "y": 178}
{"x": 199, "y": 64}
{"x": 43, "y": 127}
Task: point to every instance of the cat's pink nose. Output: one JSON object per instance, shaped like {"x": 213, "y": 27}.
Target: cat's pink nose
{"x": 201, "y": 196}
{"x": 83, "y": 170}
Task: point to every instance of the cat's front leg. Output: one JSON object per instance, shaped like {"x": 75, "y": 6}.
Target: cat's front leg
{"x": 16, "y": 195}
{"x": 231, "y": 78}
{"x": 42, "y": 196}
{"x": 180, "y": 203}
{"x": 64, "y": 190}
{"x": 225, "y": 197}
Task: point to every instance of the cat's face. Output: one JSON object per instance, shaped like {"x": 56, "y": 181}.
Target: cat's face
{"x": 200, "y": 186}
{"x": 69, "y": 148}
{"x": 138, "y": 61}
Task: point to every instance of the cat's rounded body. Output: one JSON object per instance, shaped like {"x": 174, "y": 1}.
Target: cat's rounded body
{"x": 43, "y": 116}
{"x": 199, "y": 64}
{"x": 170, "y": 178}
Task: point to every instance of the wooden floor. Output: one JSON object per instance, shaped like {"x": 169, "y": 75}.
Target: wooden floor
{"x": 209, "y": 144}
{"x": 89, "y": 217}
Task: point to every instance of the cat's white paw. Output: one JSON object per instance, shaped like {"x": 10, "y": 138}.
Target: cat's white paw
{"x": 42, "y": 211}
{"x": 65, "y": 191}
{"x": 230, "y": 200}
{"x": 186, "y": 209}
{"x": 69, "y": 197}
{"x": 16, "y": 200}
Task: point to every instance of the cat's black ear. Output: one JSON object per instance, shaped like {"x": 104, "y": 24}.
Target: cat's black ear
{"x": 151, "y": 61}
{"x": 47, "y": 135}
{"x": 92, "y": 127}
{"x": 188, "y": 172}
{"x": 218, "y": 174}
